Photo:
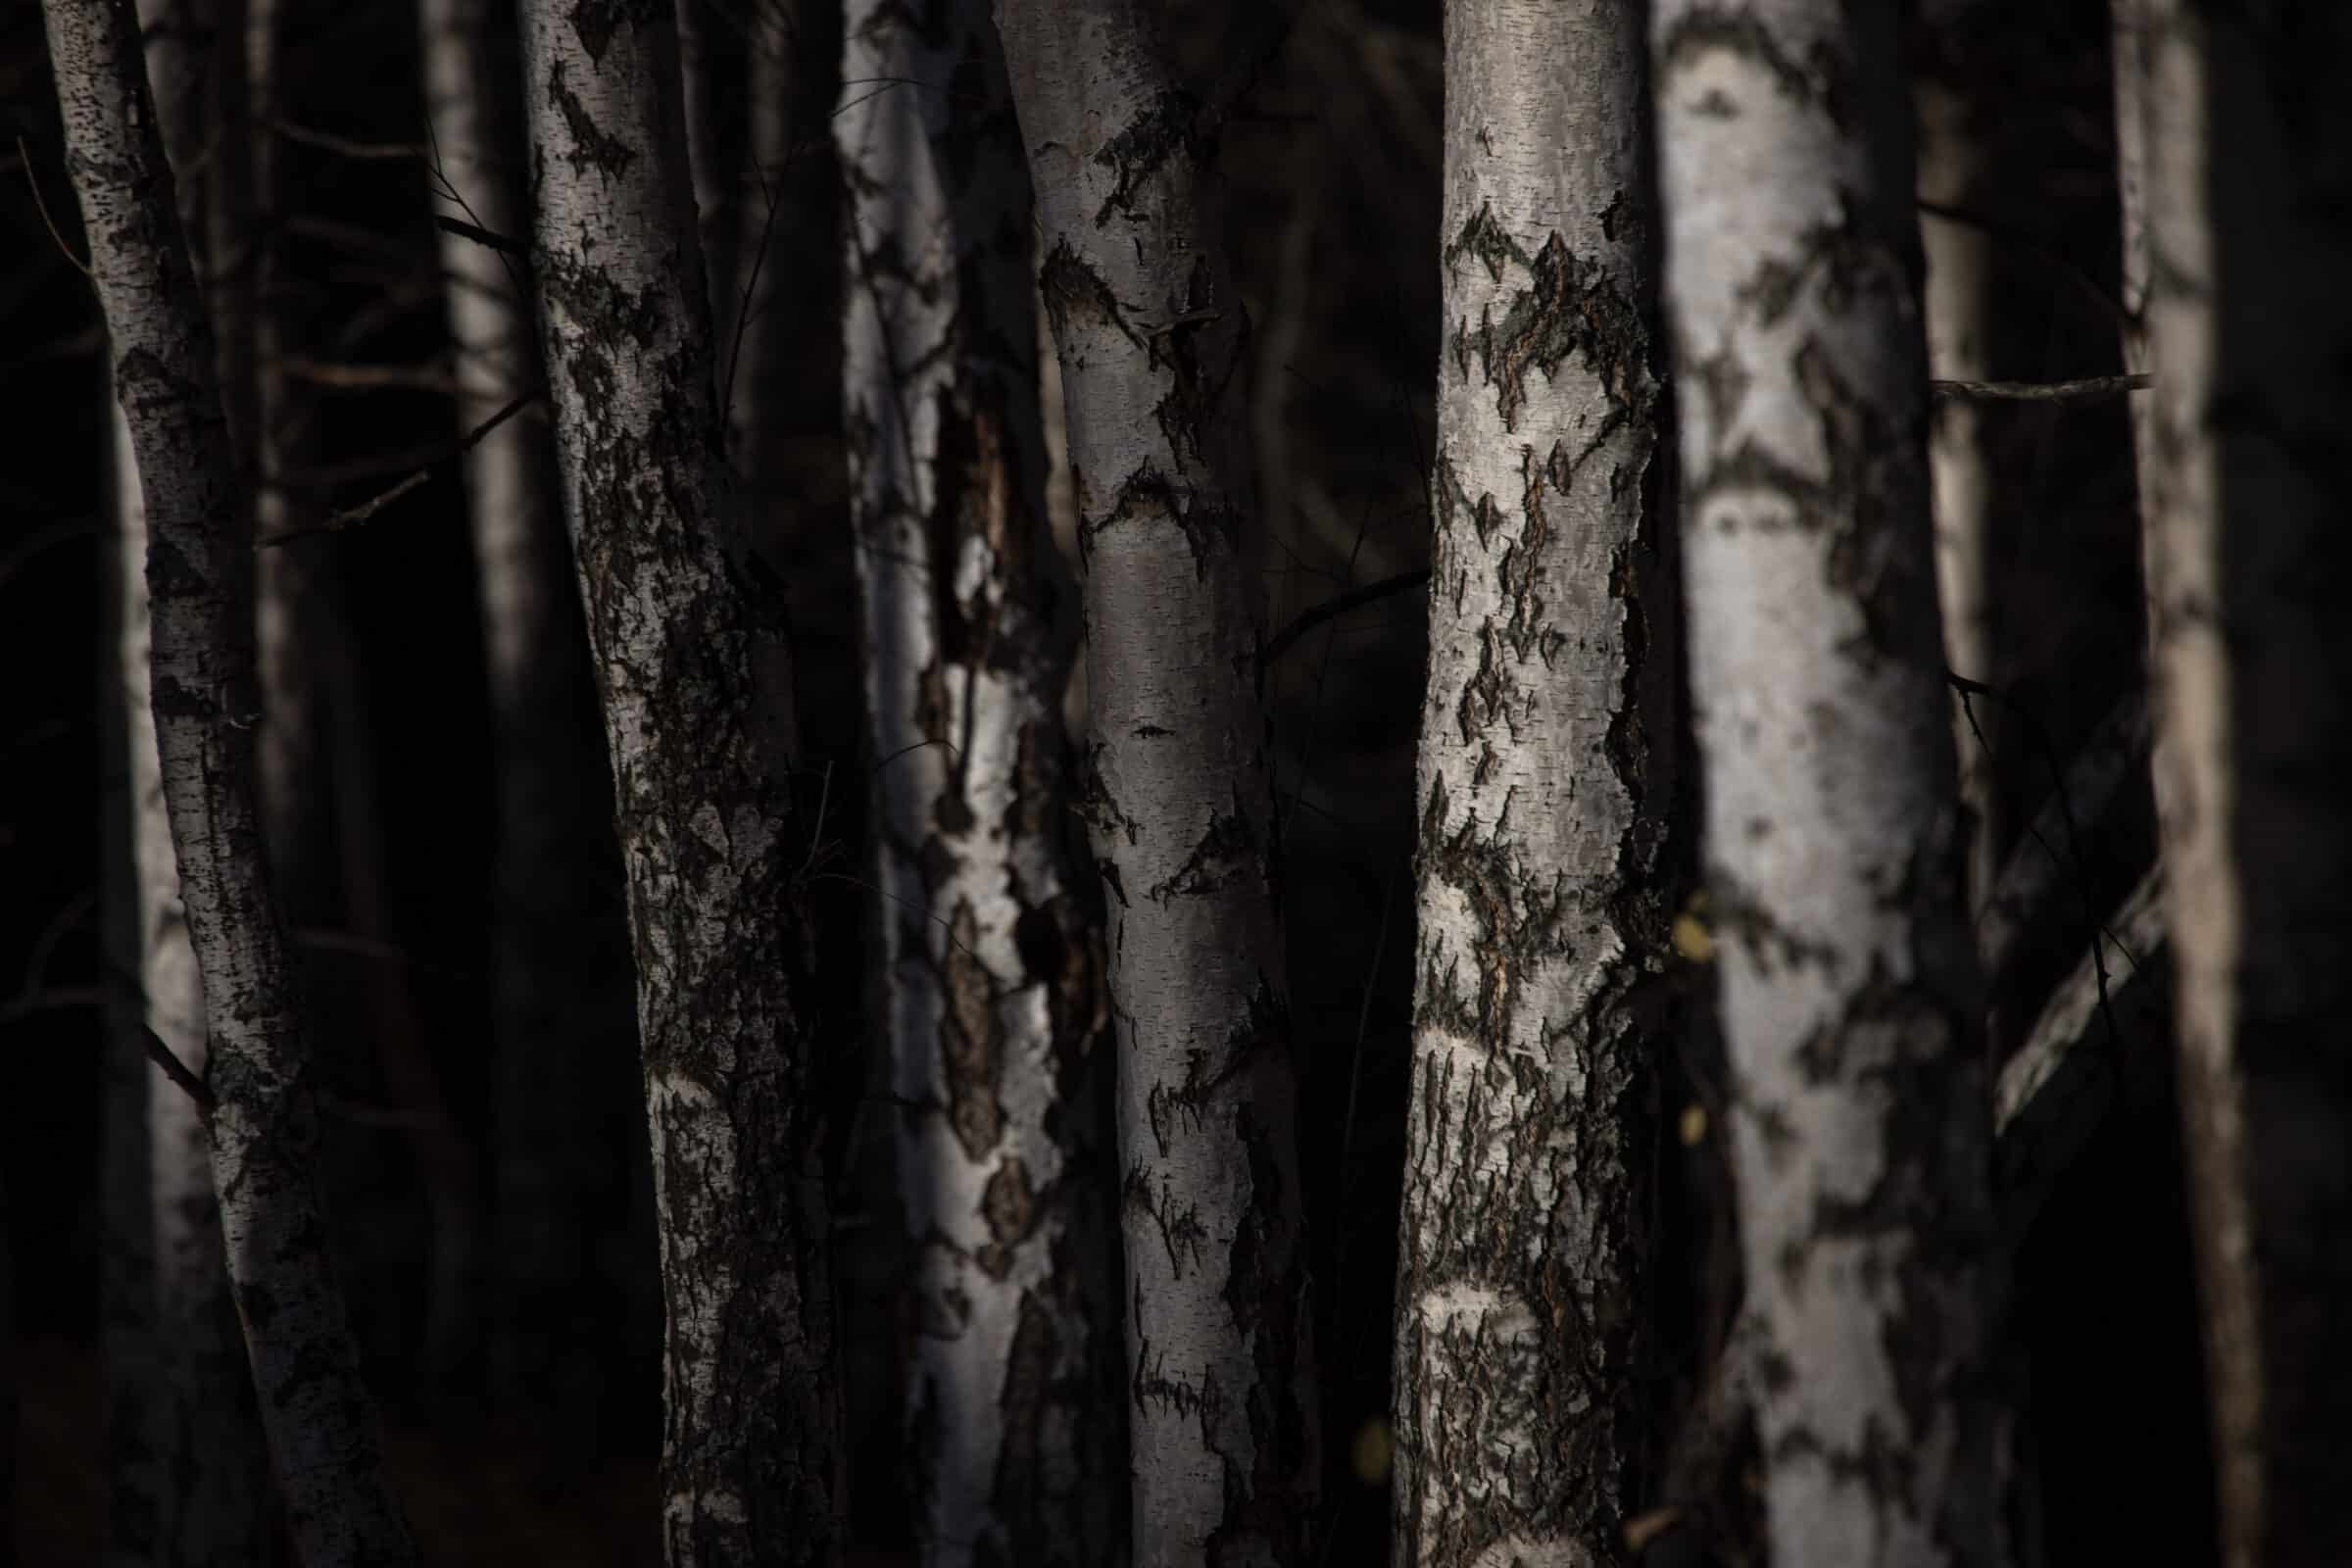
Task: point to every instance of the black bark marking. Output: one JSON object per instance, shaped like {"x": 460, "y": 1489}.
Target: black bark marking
{"x": 608, "y": 155}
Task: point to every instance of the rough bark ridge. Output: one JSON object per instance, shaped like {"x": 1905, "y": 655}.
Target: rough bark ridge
{"x": 565, "y": 1051}
{"x": 2249, "y": 334}
{"x": 992, "y": 949}
{"x": 689, "y": 671}
{"x": 207, "y": 1492}
{"x": 322, "y": 1429}
{"x": 1152, "y": 342}
{"x": 1546, "y": 779}
{"x": 1851, "y": 1005}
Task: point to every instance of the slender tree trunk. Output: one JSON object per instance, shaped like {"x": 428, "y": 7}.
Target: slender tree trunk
{"x": 992, "y": 952}
{"x": 691, "y": 668}
{"x": 1153, "y": 344}
{"x": 322, "y": 1426}
{"x": 2249, "y": 337}
{"x": 1851, "y": 1004}
{"x": 205, "y": 1498}
{"x": 562, "y": 1011}
{"x": 756, "y": 328}
{"x": 1546, "y": 781}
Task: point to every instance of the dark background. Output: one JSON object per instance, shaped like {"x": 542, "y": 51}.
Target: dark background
{"x": 1333, "y": 168}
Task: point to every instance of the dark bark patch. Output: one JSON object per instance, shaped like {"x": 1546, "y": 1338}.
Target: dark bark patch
{"x": 1010, "y": 1206}
{"x": 592, "y": 148}
{"x": 1161, "y": 130}
{"x": 970, "y": 1040}
{"x": 1572, "y": 306}
{"x": 1818, "y": 79}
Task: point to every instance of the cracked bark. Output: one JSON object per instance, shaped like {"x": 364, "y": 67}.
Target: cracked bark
{"x": 322, "y": 1426}
{"x": 1852, "y": 1008}
{"x": 1152, "y": 345}
{"x": 693, "y": 675}
{"x": 565, "y": 1048}
{"x": 2248, "y": 333}
{"x": 992, "y": 943}
{"x": 1546, "y": 775}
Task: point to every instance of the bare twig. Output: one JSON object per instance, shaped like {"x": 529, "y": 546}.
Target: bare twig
{"x": 352, "y": 516}
{"x": 370, "y": 377}
{"x": 2084, "y": 389}
{"x": 32, "y": 182}
{"x": 480, "y": 235}
{"x": 344, "y": 146}
{"x": 1338, "y": 604}
{"x": 2115, "y": 750}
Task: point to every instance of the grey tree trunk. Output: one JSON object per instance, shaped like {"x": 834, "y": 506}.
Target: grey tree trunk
{"x": 206, "y": 1495}
{"x": 321, "y": 1424}
{"x": 565, "y": 1044}
{"x": 1153, "y": 341}
{"x": 2249, "y": 338}
{"x": 692, "y": 668}
{"x": 1546, "y": 781}
{"x": 992, "y": 951}
{"x": 1851, "y": 1005}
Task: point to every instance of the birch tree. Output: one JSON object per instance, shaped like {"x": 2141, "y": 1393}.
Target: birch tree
{"x": 1851, "y": 1007}
{"x": 692, "y": 674}
{"x": 1545, "y": 781}
{"x": 561, "y": 1013}
{"x": 1150, "y": 330}
{"x": 2249, "y": 339}
{"x": 262, "y": 1122}
{"x": 990, "y": 953}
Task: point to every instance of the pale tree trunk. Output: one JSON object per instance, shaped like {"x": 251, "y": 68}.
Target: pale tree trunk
{"x": 321, "y": 1424}
{"x": 692, "y": 671}
{"x": 990, "y": 953}
{"x": 1152, "y": 342}
{"x": 1546, "y": 784}
{"x": 561, "y": 1012}
{"x": 1957, "y": 303}
{"x": 2249, "y": 338}
{"x": 207, "y": 1497}
{"x": 1851, "y": 1007}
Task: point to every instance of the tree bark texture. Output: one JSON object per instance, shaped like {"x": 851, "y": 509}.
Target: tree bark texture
{"x": 2249, "y": 336}
{"x": 691, "y": 668}
{"x": 206, "y": 1497}
{"x": 1851, "y": 1003}
{"x": 322, "y": 1425}
{"x": 565, "y": 1044}
{"x": 992, "y": 946}
{"x": 1153, "y": 344}
{"x": 1545, "y": 783}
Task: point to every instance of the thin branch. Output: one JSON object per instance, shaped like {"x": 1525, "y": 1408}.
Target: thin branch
{"x": 2041, "y": 249}
{"x": 352, "y": 516}
{"x": 2117, "y": 749}
{"x": 344, "y": 146}
{"x": 32, "y": 182}
{"x": 480, "y": 235}
{"x": 1339, "y": 605}
{"x": 2084, "y": 389}
{"x": 370, "y": 377}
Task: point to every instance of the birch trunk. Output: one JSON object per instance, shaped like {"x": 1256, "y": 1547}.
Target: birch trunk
{"x": 1153, "y": 344}
{"x": 691, "y": 672}
{"x": 1545, "y": 780}
{"x": 561, "y": 1015}
{"x": 1851, "y": 1005}
{"x": 2249, "y": 337}
{"x": 206, "y": 1496}
{"x": 322, "y": 1425}
{"x": 992, "y": 955}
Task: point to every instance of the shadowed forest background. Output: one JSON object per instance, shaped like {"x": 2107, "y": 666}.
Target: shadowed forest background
{"x": 1331, "y": 163}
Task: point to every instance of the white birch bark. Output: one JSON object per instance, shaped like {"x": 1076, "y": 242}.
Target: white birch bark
{"x": 263, "y": 1127}
{"x": 1154, "y": 345}
{"x": 2242, "y": 122}
{"x": 198, "y": 1431}
{"x": 1545, "y": 783}
{"x": 691, "y": 672}
{"x": 1851, "y": 1007}
{"x": 992, "y": 956}
{"x": 561, "y": 990}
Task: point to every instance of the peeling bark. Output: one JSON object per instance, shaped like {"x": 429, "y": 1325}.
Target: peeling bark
{"x": 1547, "y": 781}
{"x": 322, "y": 1428}
{"x": 1154, "y": 346}
{"x": 992, "y": 943}
{"x": 562, "y": 1015}
{"x": 693, "y": 673}
{"x": 1851, "y": 996}
{"x": 2249, "y": 337}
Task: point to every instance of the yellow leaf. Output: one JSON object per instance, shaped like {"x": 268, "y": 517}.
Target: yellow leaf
{"x": 1691, "y": 938}
{"x": 1694, "y": 1125}
{"x": 1374, "y": 1450}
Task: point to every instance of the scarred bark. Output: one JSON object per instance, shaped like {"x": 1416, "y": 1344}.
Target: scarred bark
{"x": 692, "y": 664}
{"x": 1153, "y": 343}
{"x": 2245, "y": 471}
{"x": 992, "y": 949}
{"x": 1546, "y": 781}
{"x": 322, "y": 1426}
{"x": 1851, "y": 998}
